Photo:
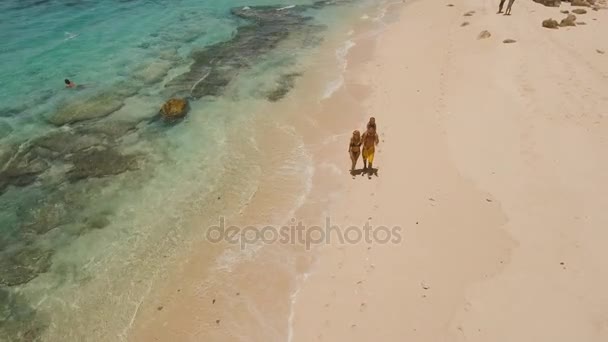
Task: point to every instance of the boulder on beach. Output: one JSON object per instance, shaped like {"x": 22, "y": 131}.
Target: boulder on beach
{"x": 484, "y": 34}
{"x": 550, "y": 23}
{"x": 549, "y": 3}
{"x": 174, "y": 109}
{"x": 583, "y": 3}
{"x": 570, "y": 20}
{"x": 579, "y": 11}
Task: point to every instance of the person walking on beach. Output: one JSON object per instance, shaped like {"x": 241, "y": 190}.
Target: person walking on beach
{"x": 372, "y": 123}
{"x": 509, "y": 5}
{"x": 370, "y": 140}
{"x": 354, "y": 149}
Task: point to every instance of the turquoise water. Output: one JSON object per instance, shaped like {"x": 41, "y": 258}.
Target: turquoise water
{"x": 96, "y": 191}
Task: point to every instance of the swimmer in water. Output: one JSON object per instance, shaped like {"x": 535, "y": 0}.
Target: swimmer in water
{"x": 69, "y": 84}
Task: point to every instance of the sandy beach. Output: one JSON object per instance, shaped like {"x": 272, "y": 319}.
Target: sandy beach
{"x": 491, "y": 162}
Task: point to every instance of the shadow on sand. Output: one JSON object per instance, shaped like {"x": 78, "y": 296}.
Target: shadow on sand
{"x": 364, "y": 172}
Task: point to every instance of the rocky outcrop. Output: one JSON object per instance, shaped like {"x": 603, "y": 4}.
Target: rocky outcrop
{"x": 550, "y": 23}
{"x": 582, "y": 3}
{"x": 570, "y": 20}
{"x": 174, "y": 109}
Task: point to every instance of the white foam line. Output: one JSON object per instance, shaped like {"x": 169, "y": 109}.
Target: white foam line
{"x": 123, "y": 335}
{"x": 286, "y": 7}
{"x": 292, "y": 311}
{"x": 199, "y": 81}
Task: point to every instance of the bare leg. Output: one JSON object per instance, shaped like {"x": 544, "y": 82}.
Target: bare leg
{"x": 508, "y": 11}
{"x": 502, "y": 3}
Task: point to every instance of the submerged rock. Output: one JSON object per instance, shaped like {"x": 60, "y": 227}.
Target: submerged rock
{"x": 86, "y": 109}
{"x": 284, "y": 85}
{"x": 23, "y": 265}
{"x": 217, "y": 65}
{"x": 174, "y": 109}
{"x": 5, "y": 129}
{"x": 22, "y": 166}
{"x": 153, "y": 72}
{"x": 67, "y": 141}
{"x": 97, "y": 163}
{"x": 19, "y": 321}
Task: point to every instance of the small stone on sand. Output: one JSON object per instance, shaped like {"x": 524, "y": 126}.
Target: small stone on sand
{"x": 466, "y": 23}
{"x": 213, "y": 302}
{"x": 601, "y": 52}
{"x": 159, "y": 308}
{"x": 509, "y": 41}
{"x": 484, "y": 34}
{"x": 217, "y": 321}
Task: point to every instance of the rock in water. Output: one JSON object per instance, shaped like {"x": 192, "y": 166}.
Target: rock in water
{"x": 87, "y": 109}
{"x": 174, "y": 109}
{"x": 153, "y": 72}
{"x": 484, "y": 34}
{"x": 24, "y": 265}
{"x": 579, "y": 11}
{"x": 98, "y": 163}
{"x": 570, "y": 20}
{"x": 5, "y": 129}
{"x": 550, "y": 23}
{"x": 284, "y": 85}
{"x": 509, "y": 41}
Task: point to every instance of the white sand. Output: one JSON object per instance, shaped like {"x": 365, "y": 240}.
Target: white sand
{"x": 494, "y": 162}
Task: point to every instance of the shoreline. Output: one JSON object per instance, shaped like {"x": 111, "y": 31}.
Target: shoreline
{"x": 220, "y": 301}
